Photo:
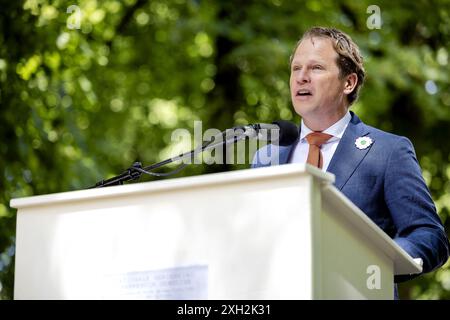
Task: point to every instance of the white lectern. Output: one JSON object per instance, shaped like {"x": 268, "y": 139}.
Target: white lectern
{"x": 281, "y": 232}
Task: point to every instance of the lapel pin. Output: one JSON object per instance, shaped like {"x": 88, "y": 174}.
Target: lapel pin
{"x": 363, "y": 142}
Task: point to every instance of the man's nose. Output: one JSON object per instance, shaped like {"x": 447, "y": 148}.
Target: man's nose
{"x": 303, "y": 76}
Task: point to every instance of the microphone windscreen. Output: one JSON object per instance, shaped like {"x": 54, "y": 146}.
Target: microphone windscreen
{"x": 288, "y": 132}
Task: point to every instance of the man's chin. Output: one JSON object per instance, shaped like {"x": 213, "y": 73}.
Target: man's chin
{"x": 304, "y": 109}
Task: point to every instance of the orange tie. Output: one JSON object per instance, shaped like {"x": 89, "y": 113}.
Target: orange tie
{"x": 315, "y": 140}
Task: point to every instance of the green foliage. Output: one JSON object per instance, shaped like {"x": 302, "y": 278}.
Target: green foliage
{"x": 80, "y": 105}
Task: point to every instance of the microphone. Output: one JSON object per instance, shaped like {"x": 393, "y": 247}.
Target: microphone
{"x": 281, "y": 131}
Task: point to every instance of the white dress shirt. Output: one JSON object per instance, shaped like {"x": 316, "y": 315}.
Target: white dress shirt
{"x": 300, "y": 153}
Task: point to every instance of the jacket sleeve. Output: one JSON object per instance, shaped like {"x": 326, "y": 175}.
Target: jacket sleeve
{"x": 419, "y": 230}
{"x": 264, "y": 157}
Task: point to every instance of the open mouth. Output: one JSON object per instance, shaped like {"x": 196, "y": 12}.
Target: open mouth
{"x": 303, "y": 93}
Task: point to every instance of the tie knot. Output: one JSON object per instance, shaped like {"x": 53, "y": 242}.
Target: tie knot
{"x": 318, "y": 138}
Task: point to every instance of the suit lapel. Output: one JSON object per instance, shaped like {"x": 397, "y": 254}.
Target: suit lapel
{"x": 347, "y": 156}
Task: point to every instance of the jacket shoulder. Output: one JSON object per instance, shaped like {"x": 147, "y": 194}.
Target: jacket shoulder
{"x": 384, "y": 137}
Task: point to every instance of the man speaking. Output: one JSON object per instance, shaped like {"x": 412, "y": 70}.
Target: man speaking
{"x": 376, "y": 170}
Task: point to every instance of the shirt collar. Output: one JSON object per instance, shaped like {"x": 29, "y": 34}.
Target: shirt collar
{"x": 336, "y": 130}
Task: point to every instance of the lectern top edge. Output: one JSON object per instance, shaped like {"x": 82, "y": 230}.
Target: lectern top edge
{"x": 177, "y": 183}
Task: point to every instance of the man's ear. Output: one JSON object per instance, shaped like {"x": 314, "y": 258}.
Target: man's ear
{"x": 350, "y": 83}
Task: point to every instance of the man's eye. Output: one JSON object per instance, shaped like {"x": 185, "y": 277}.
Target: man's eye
{"x": 296, "y": 68}
{"x": 317, "y": 67}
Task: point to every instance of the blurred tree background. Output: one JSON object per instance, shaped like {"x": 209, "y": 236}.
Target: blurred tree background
{"x": 81, "y": 104}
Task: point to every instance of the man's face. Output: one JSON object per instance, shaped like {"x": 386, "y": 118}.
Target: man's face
{"x": 316, "y": 89}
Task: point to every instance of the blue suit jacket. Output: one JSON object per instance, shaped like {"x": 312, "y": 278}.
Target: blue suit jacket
{"x": 385, "y": 182}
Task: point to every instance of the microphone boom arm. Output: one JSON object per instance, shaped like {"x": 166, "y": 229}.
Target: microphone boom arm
{"x": 136, "y": 170}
